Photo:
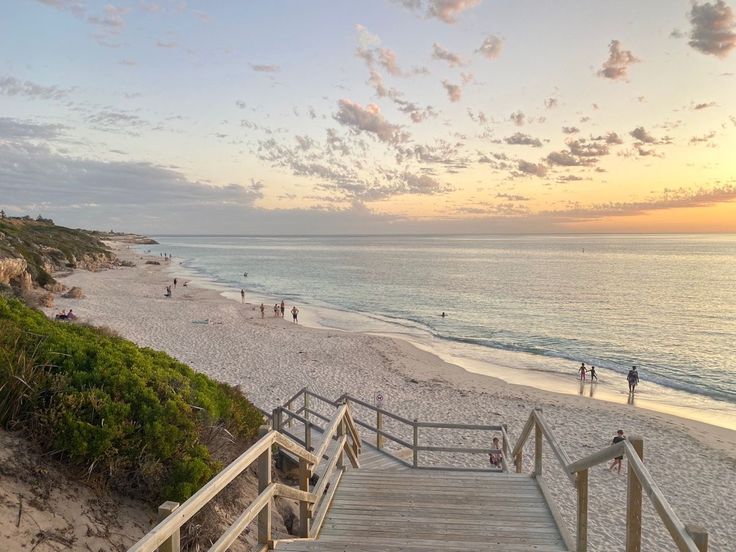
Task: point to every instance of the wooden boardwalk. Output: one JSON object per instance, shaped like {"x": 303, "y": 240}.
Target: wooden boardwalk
{"x": 384, "y": 510}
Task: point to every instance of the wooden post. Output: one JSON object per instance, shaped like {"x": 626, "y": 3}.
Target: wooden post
{"x": 173, "y": 543}
{"x": 633, "y": 502}
{"x": 699, "y": 535}
{"x": 341, "y": 430}
{"x": 537, "y": 450}
{"x": 264, "y": 480}
{"x": 308, "y": 436}
{"x": 276, "y": 419}
{"x": 306, "y": 405}
{"x": 379, "y": 427}
{"x": 415, "y": 459}
{"x": 582, "y": 532}
{"x": 305, "y": 472}
{"x": 288, "y": 407}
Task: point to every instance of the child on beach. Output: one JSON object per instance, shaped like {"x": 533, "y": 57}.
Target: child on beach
{"x": 617, "y": 461}
{"x": 495, "y": 457}
{"x": 593, "y": 375}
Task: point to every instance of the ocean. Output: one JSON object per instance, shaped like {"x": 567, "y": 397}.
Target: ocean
{"x": 535, "y": 305}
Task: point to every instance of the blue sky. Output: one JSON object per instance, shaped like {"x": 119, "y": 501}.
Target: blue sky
{"x": 370, "y": 116}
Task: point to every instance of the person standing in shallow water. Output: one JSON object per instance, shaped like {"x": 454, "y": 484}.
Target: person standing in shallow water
{"x": 593, "y": 375}
{"x": 242, "y": 296}
{"x": 294, "y": 314}
{"x": 582, "y": 371}
{"x": 633, "y": 379}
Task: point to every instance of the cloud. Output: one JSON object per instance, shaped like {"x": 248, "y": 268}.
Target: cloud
{"x": 512, "y": 197}
{"x": 669, "y": 199}
{"x": 110, "y": 120}
{"x": 706, "y": 138}
{"x": 618, "y": 61}
{"x": 111, "y": 19}
{"x": 15, "y": 129}
{"x": 162, "y": 44}
{"x": 550, "y": 103}
{"x": 444, "y": 10}
{"x": 566, "y": 159}
{"x": 75, "y": 7}
{"x": 713, "y": 28}
{"x": 36, "y": 176}
{"x": 518, "y": 118}
{"x": 704, "y": 105}
{"x": 534, "y": 169}
{"x": 520, "y": 139}
{"x": 10, "y": 86}
{"x": 613, "y": 139}
{"x": 387, "y": 59}
{"x": 368, "y": 119}
{"x": 416, "y": 113}
{"x": 641, "y": 134}
{"x": 583, "y": 148}
{"x": 491, "y": 47}
{"x": 258, "y": 68}
{"x": 677, "y": 34}
{"x": 570, "y": 130}
{"x": 438, "y": 52}
{"x": 454, "y": 91}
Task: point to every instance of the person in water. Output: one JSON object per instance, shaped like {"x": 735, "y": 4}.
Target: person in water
{"x": 443, "y": 314}
{"x": 593, "y": 375}
{"x": 294, "y": 314}
{"x": 582, "y": 371}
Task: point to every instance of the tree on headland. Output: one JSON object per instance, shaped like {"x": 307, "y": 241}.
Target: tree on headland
{"x": 2, "y": 214}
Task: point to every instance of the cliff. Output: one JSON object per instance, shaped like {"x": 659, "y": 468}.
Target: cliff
{"x": 32, "y": 250}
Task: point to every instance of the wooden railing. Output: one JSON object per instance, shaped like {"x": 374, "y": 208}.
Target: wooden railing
{"x": 313, "y": 504}
{"x": 301, "y": 407}
{"x": 688, "y": 538}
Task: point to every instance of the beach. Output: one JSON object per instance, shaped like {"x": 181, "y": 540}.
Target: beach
{"x": 272, "y": 358}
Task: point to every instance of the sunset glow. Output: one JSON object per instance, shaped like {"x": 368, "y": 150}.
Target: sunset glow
{"x": 373, "y": 116}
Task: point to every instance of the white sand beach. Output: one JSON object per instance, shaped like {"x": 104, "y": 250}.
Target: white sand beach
{"x": 270, "y": 359}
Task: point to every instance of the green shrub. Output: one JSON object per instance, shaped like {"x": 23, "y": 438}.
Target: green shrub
{"x": 99, "y": 401}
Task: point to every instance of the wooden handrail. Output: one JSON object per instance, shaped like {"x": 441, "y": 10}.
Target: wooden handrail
{"x": 578, "y": 470}
{"x": 261, "y": 506}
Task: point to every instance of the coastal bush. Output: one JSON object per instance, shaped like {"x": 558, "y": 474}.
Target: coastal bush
{"x": 132, "y": 414}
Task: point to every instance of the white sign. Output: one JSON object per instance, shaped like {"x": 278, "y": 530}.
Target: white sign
{"x": 379, "y": 398}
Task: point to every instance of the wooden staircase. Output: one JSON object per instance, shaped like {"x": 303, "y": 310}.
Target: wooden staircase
{"x": 360, "y": 497}
{"x": 385, "y": 510}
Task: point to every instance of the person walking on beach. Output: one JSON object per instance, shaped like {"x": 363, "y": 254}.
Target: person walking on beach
{"x": 242, "y": 296}
{"x": 276, "y": 310}
{"x": 283, "y": 307}
{"x": 582, "y": 371}
{"x": 633, "y": 379}
{"x": 593, "y": 375}
{"x": 294, "y": 314}
{"x": 263, "y": 310}
{"x": 617, "y": 461}
{"x": 174, "y": 282}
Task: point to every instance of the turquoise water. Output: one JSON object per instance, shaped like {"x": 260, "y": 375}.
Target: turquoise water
{"x": 666, "y": 303}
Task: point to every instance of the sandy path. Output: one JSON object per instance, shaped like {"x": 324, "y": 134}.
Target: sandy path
{"x": 694, "y": 464}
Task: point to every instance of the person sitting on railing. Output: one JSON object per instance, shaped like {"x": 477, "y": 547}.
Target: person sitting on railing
{"x": 496, "y": 456}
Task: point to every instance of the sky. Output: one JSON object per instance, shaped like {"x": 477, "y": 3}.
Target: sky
{"x": 370, "y": 116}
